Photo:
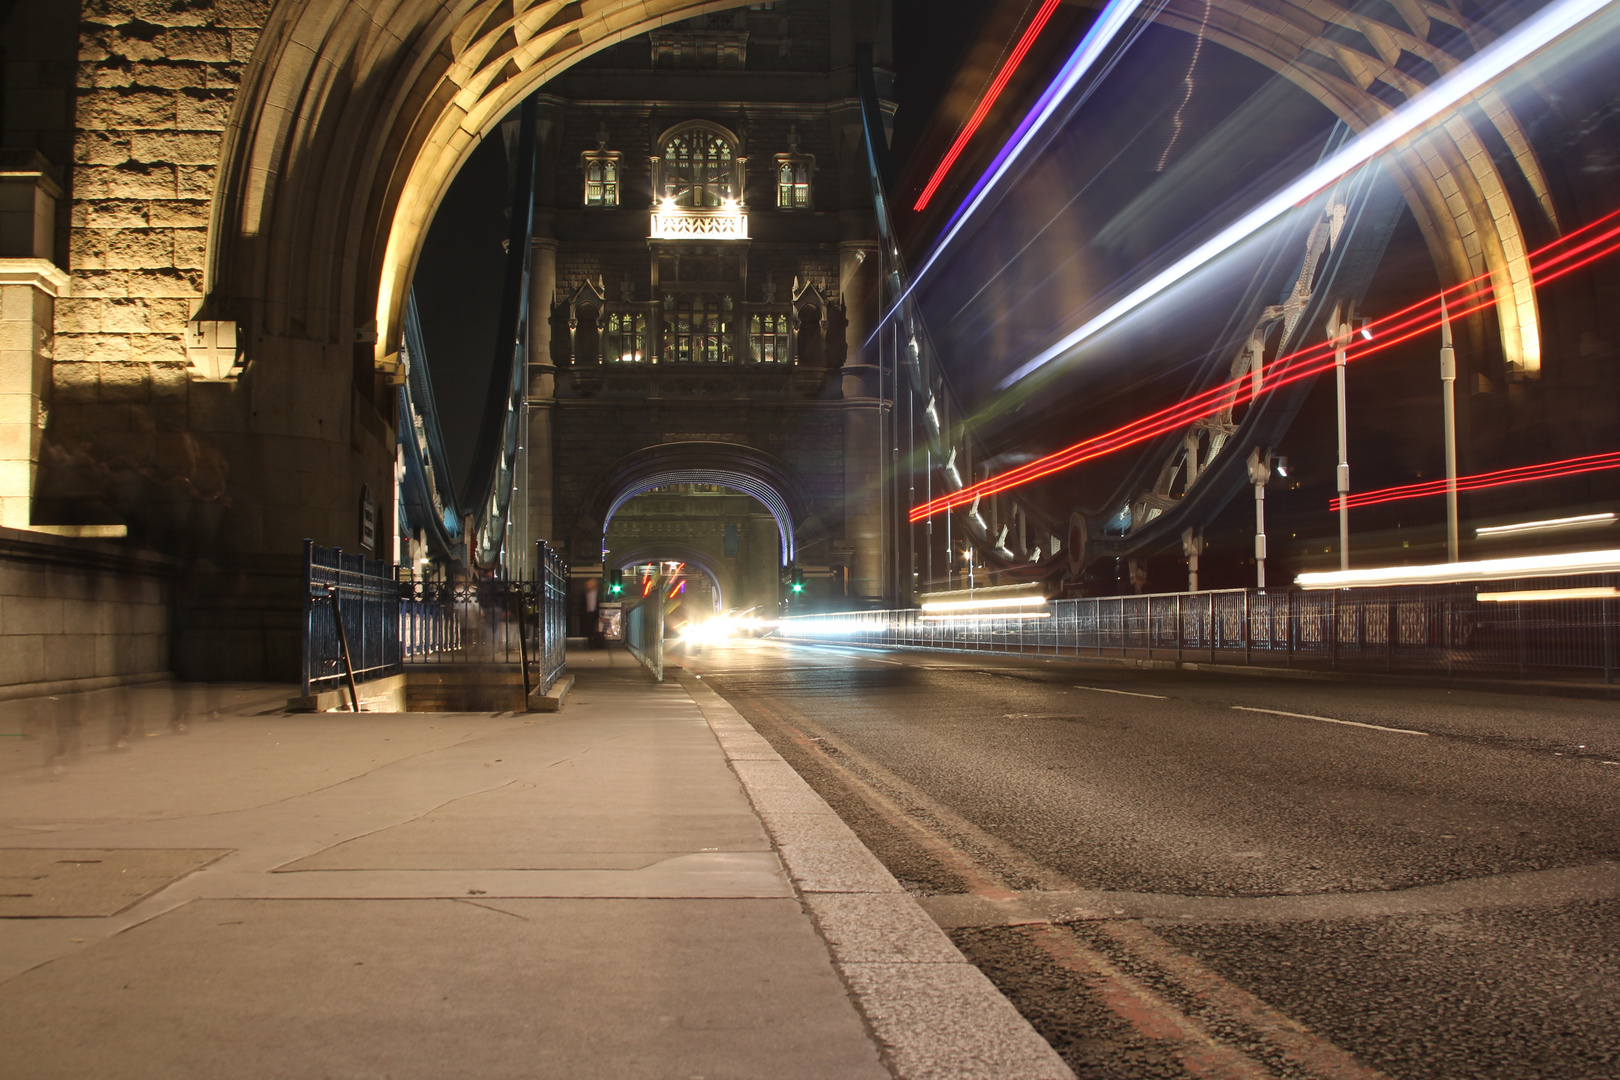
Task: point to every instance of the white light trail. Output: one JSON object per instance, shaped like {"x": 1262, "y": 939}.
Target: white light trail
{"x": 1584, "y": 521}
{"x": 1575, "y": 562}
{"x": 1114, "y": 16}
{"x": 993, "y": 602}
{"x": 1596, "y": 593}
{"x": 1532, "y": 35}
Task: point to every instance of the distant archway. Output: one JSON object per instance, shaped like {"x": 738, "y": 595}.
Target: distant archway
{"x": 729, "y": 465}
{"x": 693, "y": 557}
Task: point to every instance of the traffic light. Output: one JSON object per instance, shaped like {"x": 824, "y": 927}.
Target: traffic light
{"x": 615, "y": 582}
{"x": 796, "y": 581}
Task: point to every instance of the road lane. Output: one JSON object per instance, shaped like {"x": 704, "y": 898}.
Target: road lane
{"x": 1177, "y": 785}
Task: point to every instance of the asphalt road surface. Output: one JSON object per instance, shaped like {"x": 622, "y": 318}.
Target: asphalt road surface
{"x": 1185, "y": 875}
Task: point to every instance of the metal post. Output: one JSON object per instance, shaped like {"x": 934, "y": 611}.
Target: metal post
{"x": 1259, "y": 475}
{"x": 343, "y": 648}
{"x": 523, "y": 631}
{"x": 1338, "y": 331}
{"x": 1448, "y": 404}
{"x": 1191, "y": 541}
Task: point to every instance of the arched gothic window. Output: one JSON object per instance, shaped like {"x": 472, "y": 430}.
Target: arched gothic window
{"x": 601, "y": 179}
{"x": 793, "y": 184}
{"x": 699, "y": 169}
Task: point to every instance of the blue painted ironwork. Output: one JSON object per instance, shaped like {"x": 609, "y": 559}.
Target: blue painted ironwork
{"x": 367, "y": 601}
{"x": 1431, "y": 629}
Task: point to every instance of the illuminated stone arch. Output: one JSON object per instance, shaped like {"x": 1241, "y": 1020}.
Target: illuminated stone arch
{"x": 1361, "y": 64}
{"x": 731, "y": 465}
{"x": 351, "y": 121}
{"x": 665, "y": 551}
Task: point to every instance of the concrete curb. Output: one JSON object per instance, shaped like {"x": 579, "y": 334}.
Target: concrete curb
{"x": 936, "y": 1016}
{"x": 551, "y": 700}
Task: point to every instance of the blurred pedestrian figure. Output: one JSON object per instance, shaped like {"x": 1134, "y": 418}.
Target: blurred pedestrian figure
{"x": 180, "y": 708}
{"x": 591, "y": 623}
{"x": 120, "y": 718}
{"x": 67, "y": 722}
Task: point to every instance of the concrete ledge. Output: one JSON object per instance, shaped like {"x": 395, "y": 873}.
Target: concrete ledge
{"x": 378, "y": 695}
{"x": 935, "y": 1014}
{"x": 80, "y": 686}
{"x": 551, "y": 700}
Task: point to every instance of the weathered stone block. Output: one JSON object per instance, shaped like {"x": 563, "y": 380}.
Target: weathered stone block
{"x": 175, "y": 147}
{"x": 190, "y": 248}
{"x": 110, "y": 214}
{"x": 243, "y": 43}
{"x": 125, "y": 383}
{"x": 126, "y": 315}
{"x": 194, "y": 181}
{"x": 158, "y": 348}
{"x": 89, "y": 283}
{"x": 178, "y": 213}
{"x": 206, "y": 110}
{"x": 77, "y": 314}
{"x": 165, "y": 281}
{"x": 169, "y": 383}
{"x": 101, "y": 148}
{"x": 165, "y": 76}
{"x": 132, "y": 249}
{"x": 128, "y": 180}
{"x": 90, "y": 349}
{"x": 123, "y": 109}
{"x": 241, "y": 14}
{"x": 196, "y": 43}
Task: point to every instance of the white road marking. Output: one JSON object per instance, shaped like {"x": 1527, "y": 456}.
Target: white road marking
{"x": 1127, "y": 693}
{"x": 1331, "y": 720}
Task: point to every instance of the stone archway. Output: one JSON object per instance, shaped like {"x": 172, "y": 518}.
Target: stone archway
{"x": 724, "y": 583}
{"x": 742, "y": 468}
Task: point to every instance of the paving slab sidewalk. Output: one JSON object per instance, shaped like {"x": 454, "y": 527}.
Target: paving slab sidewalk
{"x": 634, "y": 887}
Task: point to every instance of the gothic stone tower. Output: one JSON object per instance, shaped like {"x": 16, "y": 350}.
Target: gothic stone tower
{"x": 705, "y": 278}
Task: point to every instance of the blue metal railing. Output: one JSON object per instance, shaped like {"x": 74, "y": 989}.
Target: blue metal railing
{"x": 1415, "y": 629}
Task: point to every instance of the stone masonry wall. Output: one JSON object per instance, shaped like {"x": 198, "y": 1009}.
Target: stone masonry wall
{"x": 79, "y": 616}
{"x": 156, "y": 82}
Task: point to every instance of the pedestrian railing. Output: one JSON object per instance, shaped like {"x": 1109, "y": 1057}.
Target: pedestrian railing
{"x": 1422, "y": 628}
{"x": 362, "y": 623}
{"x": 644, "y": 632}
{"x": 351, "y": 620}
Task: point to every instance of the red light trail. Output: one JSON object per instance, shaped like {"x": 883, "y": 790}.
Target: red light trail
{"x": 996, "y": 87}
{"x": 1561, "y": 257}
{"x": 1520, "y": 475}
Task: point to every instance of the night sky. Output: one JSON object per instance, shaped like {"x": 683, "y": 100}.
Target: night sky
{"x": 458, "y": 279}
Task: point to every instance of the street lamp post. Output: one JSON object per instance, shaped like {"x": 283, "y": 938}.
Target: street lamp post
{"x": 1339, "y": 332}
{"x": 1448, "y": 404}
{"x": 1259, "y": 474}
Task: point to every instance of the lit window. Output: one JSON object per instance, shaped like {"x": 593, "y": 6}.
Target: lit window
{"x": 601, "y": 179}
{"x": 697, "y": 329}
{"x": 793, "y": 185}
{"x": 625, "y": 338}
{"x": 768, "y": 339}
{"x": 699, "y": 170}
